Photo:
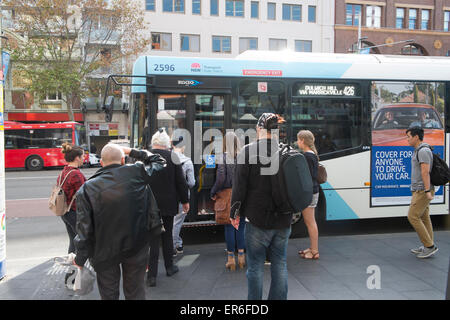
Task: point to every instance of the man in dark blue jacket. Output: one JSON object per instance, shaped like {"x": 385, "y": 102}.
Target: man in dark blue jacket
{"x": 113, "y": 221}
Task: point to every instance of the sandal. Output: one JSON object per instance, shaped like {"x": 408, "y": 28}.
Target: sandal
{"x": 311, "y": 255}
{"x": 303, "y": 252}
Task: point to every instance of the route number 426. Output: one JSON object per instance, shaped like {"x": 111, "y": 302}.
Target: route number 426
{"x": 163, "y": 67}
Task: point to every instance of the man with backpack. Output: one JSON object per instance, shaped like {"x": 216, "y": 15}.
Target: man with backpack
{"x": 422, "y": 192}
{"x": 252, "y": 200}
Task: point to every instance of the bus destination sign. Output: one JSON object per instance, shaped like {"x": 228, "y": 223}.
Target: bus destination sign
{"x": 335, "y": 90}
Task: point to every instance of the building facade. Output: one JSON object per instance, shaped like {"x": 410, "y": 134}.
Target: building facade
{"x": 225, "y": 28}
{"x": 409, "y": 27}
{"x": 23, "y": 106}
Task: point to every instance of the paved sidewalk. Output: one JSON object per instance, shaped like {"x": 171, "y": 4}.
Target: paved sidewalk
{"x": 341, "y": 272}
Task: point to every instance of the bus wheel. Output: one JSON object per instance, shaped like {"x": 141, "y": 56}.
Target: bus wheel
{"x": 34, "y": 163}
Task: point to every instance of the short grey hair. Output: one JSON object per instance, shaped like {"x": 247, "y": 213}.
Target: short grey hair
{"x": 161, "y": 138}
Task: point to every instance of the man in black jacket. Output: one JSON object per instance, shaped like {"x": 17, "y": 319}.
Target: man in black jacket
{"x": 113, "y": 221}
{"x": 266, "y": 230}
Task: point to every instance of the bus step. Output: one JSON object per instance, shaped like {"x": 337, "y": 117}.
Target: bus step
{"x": 209, "y": 223}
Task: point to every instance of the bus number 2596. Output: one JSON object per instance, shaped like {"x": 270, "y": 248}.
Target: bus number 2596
{"x": 163, "y": 67}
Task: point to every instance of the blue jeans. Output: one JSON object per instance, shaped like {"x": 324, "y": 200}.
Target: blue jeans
{"x": 233, "y": 236}
{"x": 258, "y": 242}
{"x": 178, "y": 221}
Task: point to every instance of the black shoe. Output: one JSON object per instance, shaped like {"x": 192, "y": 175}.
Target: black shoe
{"x": 151, "y": 281}
{"x": 172, "y": 270}
{"x": 179, "y": 250}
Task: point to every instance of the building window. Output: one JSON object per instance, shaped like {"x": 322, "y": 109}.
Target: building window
{"x": 412, "y": 20}
{"x": 400, "y": 18}
{"x": 190, "y": 42}
{"x": 173, "y": 6}
{"x": 248, "y": 44}
{"x": 353, "y": 13}
{"x": 162, "y": 41}
{"x": 53, "y": 96}
{"x": 150, "y": 5}
{"x": 271, "y": 11}
{"x": 303, "y": 45}
{"x": 292, "y": 12}
{"x": 221, "y": 44}
{"x": 312, "y": 14}
{"x": 234, "y": 8}
{"x": 255, "y": 9}
{"x": 373, "y": 16}
{"x": 214, "y": 10}
{"x": 447, "y": 21}
{"x": 413, "y": 50}
{"x": 196, "y": 7}
{"x": 425, "y": 23}
{"x": 277, "y": 44}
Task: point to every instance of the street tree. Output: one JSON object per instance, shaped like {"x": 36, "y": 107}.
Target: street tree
{"x": 73, "y": 44}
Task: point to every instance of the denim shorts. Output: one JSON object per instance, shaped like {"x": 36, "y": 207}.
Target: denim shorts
{"x": 314, "y": 201}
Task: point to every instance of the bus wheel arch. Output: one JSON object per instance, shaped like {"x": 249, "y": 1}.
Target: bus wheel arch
{"x": 34, "y": 163}
{"x": 321, "y": 209}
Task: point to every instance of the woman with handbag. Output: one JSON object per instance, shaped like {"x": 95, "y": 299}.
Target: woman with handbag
{"x": 71, "y": 179}
{"x": 221, "y": 194}
{"x": 305, "y": 141}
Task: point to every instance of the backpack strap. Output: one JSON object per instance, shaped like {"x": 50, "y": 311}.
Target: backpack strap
{"x": 417, "y": 154}
{"x": 71, "y": 201}
{"x": 60, "y": 185}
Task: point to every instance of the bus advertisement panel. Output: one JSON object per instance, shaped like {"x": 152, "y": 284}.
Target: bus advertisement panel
{"x": 397, "y": 107}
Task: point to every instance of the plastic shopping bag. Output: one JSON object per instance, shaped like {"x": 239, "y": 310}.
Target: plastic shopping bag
{"x": 84, "y": 281}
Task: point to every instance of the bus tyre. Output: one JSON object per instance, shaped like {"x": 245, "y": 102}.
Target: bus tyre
{"x": 34, "y": 163}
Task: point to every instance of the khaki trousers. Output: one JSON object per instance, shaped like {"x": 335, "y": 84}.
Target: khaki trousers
{"x": 419, "y": 217}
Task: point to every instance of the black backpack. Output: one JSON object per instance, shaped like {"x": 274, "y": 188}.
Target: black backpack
{"x": 440, "y": 173}
{"x": 292, "y": 186}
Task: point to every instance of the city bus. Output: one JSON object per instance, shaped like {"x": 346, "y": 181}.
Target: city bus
{"x": 339, "y": 97}
{"x": 37, "y": 146}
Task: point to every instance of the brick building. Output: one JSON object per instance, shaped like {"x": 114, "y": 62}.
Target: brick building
{"x": 426, "y": 22}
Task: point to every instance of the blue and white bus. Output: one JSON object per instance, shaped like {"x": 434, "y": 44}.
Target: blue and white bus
{"x": 344, "y": 99}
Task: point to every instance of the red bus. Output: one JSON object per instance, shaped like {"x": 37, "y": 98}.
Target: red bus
{"x": 38, "y": 145}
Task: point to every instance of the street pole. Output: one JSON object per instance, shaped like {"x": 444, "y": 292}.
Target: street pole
{"x": 359, "y": 32}
{"x": 2, "y": 165}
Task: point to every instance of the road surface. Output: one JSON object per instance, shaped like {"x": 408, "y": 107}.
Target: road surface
{"x": 27, "y": 192}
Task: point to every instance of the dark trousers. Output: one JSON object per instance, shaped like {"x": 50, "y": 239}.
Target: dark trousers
{"x": 133, "y": 273}
{"x": 70, "y": 220}
{"x": 167, "y": 247}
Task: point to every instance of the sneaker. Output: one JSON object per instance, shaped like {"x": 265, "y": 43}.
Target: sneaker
{"x": 174, "y": 253}
{"x": 427, "y": 252}
{"x": 179, "y": 250}
{"x": 417, "y": 250}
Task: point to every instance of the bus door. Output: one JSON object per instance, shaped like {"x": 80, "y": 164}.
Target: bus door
{"x": 204, "y": 116}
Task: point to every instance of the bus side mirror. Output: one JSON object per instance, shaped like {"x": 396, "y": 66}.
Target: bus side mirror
{"x": 108, "y": 108}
